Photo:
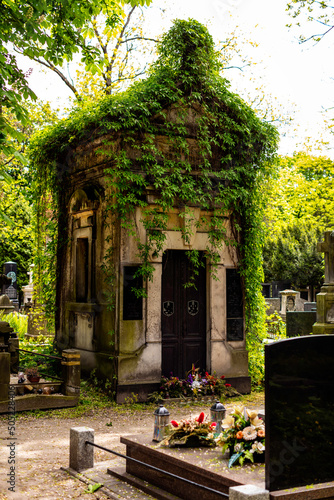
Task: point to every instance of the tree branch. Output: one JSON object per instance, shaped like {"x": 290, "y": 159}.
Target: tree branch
{"x": 53, "y": 68}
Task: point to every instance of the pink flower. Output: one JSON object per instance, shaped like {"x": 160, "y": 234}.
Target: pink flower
{"x": 174, "y": 423}
{"x": 213, "y": 425}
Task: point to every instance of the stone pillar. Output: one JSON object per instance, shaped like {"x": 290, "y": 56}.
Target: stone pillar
{"x": 13, "y": 345}
{"x": 71, "y": 372}
{"x": 248, "y": 492}
{"x": 325, "y": 299}
{"x": 81, "y": 454}
{"x": 4, "y": 375}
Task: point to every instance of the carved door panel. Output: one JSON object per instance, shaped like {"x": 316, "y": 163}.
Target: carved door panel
{"x": 183, "y": 315}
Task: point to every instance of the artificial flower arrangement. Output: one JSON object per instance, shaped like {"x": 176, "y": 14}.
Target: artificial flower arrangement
{"x": 195, "y": 385}
{"x": 244, "y": 435}
{"x": 192, "y": 432}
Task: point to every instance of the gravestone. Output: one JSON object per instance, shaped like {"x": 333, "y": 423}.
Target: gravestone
{"x": 10, "y": 270}
{"x": 299, "y": 408}
{"x": 310, "y": 306}
{"x": 299, "y": 323}
{"x": 325, "y": 299}
{"x": 6, "y": 306}
{"x": 28, "y": 290}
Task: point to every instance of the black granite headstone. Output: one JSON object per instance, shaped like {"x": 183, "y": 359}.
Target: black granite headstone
{"x": 234, "y": 306}
{"x": 299, "y": 409}
{"x": 299, "y": 323}
{"x": 10, "y": 270}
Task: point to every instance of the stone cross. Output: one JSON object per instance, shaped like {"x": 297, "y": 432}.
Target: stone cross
{"x": 327, "y": 247}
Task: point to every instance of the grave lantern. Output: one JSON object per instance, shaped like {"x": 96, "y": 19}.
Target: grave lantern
{"x": 218, "y": 412}
{"x": 161, "y": 415}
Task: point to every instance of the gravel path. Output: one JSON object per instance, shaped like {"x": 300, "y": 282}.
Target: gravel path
{"x": 42, "y": 448}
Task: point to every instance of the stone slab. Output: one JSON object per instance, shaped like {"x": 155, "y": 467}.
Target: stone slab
{"x": 248, "y": 492}
{"x": 204, "y": 466}
{"x": 40, "y": 402}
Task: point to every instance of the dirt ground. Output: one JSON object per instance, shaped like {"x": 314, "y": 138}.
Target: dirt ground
{"x": 42, "y": 447}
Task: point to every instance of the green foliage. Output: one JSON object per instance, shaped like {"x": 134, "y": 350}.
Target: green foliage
{"x": 40, "y": 345}
{"x": 185, "y": 79}
{"x": 292, "y": 255}
{"x": 303, "y": 190}
{"x": 16, "y": 239}
{"x": 44, "y": 29}
{"x": 17, "y": 321}
{"x": 276, "y": 327}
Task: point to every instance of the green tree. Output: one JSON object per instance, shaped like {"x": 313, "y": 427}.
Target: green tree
{"x": 44, "y": 28}
{"x": 299, "y": 209}
{"x": 303, "y": 190}
{"x": 292, "y": 255}
{"x": 16, "y": 199}
{"x": 16, "y": 240}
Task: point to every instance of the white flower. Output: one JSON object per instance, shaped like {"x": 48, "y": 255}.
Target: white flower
{"x": 257, "y": 422}
{"x": 238, "y": 447}
{"x": 249, "y": 433}
{"x": 257, "y": 447}
{"x": 228, "y": 422}
{"x": 251, "y": 414}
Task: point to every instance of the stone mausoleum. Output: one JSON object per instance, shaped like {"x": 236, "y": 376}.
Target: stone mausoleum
{"x": 130, "y": 338}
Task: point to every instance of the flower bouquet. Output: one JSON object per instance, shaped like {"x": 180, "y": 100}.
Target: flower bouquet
{"x": 192, "y": 432}
{"x": 244, "y": 435}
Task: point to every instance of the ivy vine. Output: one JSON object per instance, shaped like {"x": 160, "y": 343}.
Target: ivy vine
{"x": 235, "y": 154}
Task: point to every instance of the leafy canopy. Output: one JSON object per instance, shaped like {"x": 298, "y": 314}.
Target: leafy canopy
{"x": 47, "y": 28}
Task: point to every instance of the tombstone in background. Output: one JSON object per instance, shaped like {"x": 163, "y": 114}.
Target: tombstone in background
{"x": 310, "y": 306}
{"x": 290, "y": 301}
{"x": 10, "y": 270}
{"x": 299, "y": 409}
{"x": 6, "y": 306}
{"x": 28, "y": 290}
{"x": 325, "y": 299}
{"x": 299, "y": 323}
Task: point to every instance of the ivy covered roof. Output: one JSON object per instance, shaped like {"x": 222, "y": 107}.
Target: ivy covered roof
{"x": 186, "y": 74}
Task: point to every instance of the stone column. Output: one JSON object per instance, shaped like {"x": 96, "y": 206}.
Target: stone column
{"x": 81, "y": 454}
{"x": 4, "y": 375}
{"x": 325, "y": 299}
{"x": 71, "y": 372}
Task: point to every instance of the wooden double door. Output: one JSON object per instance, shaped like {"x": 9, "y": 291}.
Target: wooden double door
{"x": 183, "y": 315}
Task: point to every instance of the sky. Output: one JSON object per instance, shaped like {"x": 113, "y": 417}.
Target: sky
{"x": 297, "y": 76}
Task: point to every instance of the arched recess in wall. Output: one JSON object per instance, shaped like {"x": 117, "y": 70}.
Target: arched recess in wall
{"x": 84, "y": 205}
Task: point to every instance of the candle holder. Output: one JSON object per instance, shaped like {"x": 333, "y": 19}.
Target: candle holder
{"x": 161, "y": 417}
{"x": 218, "y": 412}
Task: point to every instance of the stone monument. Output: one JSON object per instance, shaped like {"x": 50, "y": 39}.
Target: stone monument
{"x": 325, "y": 299}
{"x": 10, "y": 270}
{"x": 28, "y": 290}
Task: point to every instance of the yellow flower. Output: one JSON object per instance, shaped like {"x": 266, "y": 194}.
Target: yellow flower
{"x": 257, "y": 422}
{"x": 252, "y": 414}
{"x": 228, "y": 422}
{"x": 238, "y": 410}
